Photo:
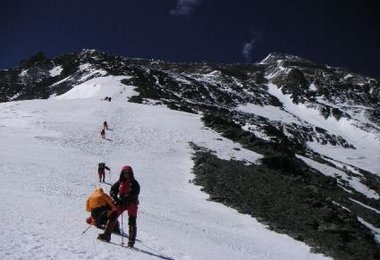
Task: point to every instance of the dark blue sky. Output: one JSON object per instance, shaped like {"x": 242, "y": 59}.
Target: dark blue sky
{"x": 339, "y": 33}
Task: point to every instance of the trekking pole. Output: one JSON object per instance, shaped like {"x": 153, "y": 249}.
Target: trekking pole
{"x": 122, "y": 230}
{"x": 86, "y": 229}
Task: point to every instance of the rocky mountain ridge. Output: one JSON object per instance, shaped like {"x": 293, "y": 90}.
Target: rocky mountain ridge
{"x": 316, "y": 126}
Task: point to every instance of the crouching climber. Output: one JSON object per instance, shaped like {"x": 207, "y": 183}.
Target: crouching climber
{"x": 100, "y": 205}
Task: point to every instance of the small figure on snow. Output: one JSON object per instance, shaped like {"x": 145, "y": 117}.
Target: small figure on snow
{"x": 100, "y": 205}
{"x": 102, "y": 167}
{"x": 103, "y": 133}
{"x": 125, "y": 193}
{"x": 105, "y": 125}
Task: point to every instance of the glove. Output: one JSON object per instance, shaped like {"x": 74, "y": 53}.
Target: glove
{"x": 117, "y": 201}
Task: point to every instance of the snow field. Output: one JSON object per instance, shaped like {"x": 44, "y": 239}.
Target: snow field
{"x": 48, "y": 161}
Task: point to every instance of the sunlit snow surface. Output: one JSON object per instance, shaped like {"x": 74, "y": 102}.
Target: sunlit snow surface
{"x": 48, "y": 161}
{"x": 56, "y": 71}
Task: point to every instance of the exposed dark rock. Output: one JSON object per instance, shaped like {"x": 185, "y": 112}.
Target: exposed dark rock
{"x": 298, "y": 204}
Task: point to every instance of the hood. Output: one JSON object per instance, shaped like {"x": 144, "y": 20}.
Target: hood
{"x": 126, "y": 169}
{"x": 98, "y": 191}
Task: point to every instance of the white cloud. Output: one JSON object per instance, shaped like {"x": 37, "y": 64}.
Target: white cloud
{"x": 247, "y": 50}
{"x": 248, "y": 46}
{"x": 185, "y": 7}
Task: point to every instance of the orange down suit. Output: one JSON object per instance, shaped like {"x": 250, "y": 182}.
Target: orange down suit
{"x": 98, "y": 199}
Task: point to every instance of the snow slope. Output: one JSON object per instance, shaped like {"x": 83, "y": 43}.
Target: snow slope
{"x": 367, "y": 143}
{"x": 48, "y": 161}
{"x": 353, "y": 182}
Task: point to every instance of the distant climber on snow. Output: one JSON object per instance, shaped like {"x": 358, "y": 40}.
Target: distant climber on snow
{"x": 105, "y": 125}
{"x": 100, "y": 205}
{"x": 102, "y": 167}
{"x": 125, "y": 193}
{"x": 103, "y": 133}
